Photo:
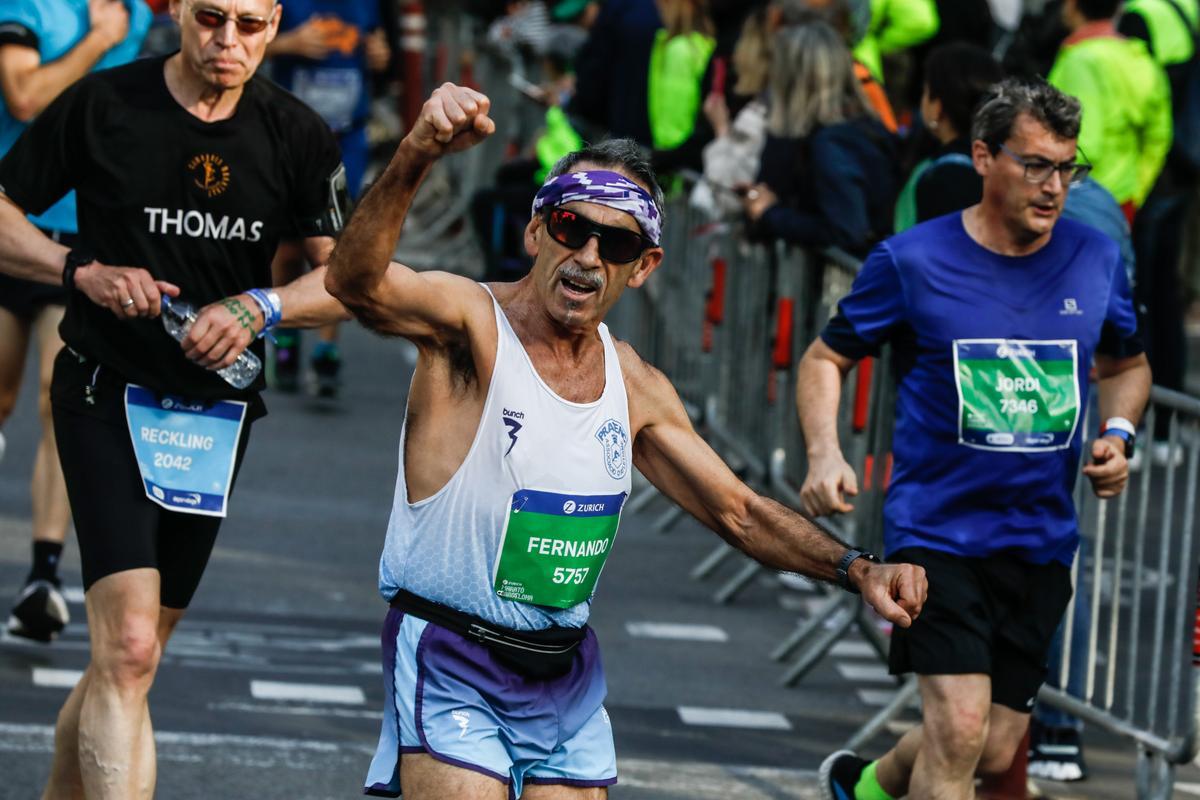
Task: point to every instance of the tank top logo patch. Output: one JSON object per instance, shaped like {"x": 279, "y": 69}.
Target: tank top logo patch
{"x": 616, "y": 448}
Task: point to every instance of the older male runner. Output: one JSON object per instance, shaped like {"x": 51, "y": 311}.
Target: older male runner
{"x": 524, "y": 421}
{"x": 997, "y": 313}
{"x": 193, "y": 169}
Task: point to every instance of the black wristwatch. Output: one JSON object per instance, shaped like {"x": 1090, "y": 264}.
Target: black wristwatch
{"x": 843, "y": 568}
{"x": 75, "y": 260}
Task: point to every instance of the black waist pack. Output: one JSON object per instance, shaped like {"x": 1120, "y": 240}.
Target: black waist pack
{"x": 538, "y": 655}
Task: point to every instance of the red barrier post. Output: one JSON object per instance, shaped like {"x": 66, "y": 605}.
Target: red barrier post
{"x": 412, "y": 58}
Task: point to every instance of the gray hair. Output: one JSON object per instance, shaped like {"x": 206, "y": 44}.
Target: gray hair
{"x": 624, "y": 154}
{"x": 812, "y": 81}
{"x": 997, "y": 114}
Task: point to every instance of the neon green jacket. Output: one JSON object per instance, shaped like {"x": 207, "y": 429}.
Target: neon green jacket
{"x": 895, "y": 25}
{"x": 677, "y": 66}
{"x": 1170, "y": 41}
{"x": 558, "y": 139}
{"x": 1126, "y": 130}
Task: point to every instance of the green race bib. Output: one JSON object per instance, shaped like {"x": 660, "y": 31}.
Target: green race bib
{"x": 1016, "y": 395}
{"x": 554, "y": 546}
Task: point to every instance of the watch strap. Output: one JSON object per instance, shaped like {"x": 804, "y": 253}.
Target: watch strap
{"x": 843, "y": 568}
{"x": 75, "y": 259}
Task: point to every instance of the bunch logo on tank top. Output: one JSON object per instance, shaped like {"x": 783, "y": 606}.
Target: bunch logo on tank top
{"x": 616, "y": 448}
{"x": 210, "y": 173}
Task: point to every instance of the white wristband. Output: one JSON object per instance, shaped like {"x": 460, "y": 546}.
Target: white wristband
{"x": 1119, "y": 424}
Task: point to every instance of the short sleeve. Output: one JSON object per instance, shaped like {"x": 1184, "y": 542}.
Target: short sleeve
{"x": 41, "y": 165}
{"x": 869, "y": 315}
{"x": 1119, "y": 335}
{"x": 320, "y": 200}
{"x": 20, "y": 23}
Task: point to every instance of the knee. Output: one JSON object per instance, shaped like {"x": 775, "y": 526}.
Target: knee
{"x": 129, "y": 660}
{"x": 998, "y": 753}
{"x": 958, "y": 736}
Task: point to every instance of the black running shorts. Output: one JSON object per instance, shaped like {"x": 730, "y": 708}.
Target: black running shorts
{"x": 993, "y": 615}
{"x": 118, "y": 528}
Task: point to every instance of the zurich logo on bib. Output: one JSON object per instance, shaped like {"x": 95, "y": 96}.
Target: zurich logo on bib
{"x": 616, "y": 448}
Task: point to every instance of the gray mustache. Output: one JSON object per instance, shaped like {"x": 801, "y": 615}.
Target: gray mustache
{"x": 582, "y": 277}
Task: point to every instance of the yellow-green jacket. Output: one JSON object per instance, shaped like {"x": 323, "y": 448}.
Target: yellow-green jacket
{"x": 895, "y": 25}
{"x": 1126, "y": 130}
{"x": 1171, "y": 41}
{"x": 677, "y": 65}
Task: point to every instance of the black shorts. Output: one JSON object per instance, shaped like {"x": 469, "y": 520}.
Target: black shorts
{"x": 26, "y": 298}
{"x": 118, "y": 528}
{"x": 993, "y": 615}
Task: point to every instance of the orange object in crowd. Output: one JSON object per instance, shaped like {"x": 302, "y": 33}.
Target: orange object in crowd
{"x": 876, "y": 96}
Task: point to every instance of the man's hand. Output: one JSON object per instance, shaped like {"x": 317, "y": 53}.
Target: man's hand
{"x": 108, "y": 19}
{"x": 222, "y": 331}
{"x": 127, "y": 292}
{"x": 454, "y": 118}
{"x": 828, "y": 481}
{"x": 896, "y": 591}
{"x": 758, "y": 200}
{"x": 378, "y": 52}
{"x": 308, "y": 40}
{"x": 1109, "y": 469}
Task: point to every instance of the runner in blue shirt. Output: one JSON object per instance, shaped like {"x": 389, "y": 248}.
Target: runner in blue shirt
{"x": 996, "y": 314}
{"x": 325, "y": 53}
{"x": 45, "y": 46}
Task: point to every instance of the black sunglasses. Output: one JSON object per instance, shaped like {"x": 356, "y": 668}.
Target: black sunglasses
{"x": 213, "y": 19}
{"x": 618, "y": 245}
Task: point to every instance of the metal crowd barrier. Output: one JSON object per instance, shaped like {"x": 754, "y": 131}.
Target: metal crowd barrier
{"x": 727, "y": 321}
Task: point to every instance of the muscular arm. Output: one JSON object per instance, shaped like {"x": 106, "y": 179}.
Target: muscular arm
{"x": 387, "y": 296}
{"x": 682, "y": 466}
{"x": 818, "y": 392}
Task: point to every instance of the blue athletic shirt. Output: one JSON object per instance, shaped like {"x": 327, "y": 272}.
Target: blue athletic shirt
{"x": 336, "y": 86}
{"x": 53, "y": 28}
{"x": 992, "y": 353}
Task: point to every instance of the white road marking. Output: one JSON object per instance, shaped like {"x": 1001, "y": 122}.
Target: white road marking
{"x": 874, "y": 673}
{"x": 12, "y": 736}
{"x": 296, "y": 711}
{"x": 673, "y": 630}
{"x": 73, "y": 594}
{"x": 876, "y": 697}
{"x": 309, "y": 692}
{"x": 853, "y": 648}
{"x": 56, "y": 678}
{"x": 1190, "y": 788}
{"x": 734, "y": 718}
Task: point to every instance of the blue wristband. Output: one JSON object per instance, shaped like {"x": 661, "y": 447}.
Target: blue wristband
{"x": 270, "y": 305}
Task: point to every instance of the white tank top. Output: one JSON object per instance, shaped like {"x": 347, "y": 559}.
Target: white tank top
{"x": 519, "y": 534}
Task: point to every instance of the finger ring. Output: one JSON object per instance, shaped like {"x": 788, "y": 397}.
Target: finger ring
{"x": 127, "y": 303}
{"x": 752, "y": 194}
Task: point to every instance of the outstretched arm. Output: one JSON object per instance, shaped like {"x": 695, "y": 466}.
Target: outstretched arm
{"x": 383, "y": 294}
{"x": 670, "y": 453}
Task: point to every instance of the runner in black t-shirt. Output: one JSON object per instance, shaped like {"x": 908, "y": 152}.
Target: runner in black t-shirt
{"x": 191, "y": 169}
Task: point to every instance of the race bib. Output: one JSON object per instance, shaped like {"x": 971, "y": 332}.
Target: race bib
{"x": 185, "y": 450}
{"x": 1017, "y": 395}
{"x": 554, "y": 546}
{"x": 332, "y": 93}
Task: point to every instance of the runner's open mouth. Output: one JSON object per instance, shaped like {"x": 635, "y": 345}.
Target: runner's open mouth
{"x": 576, "y": 287}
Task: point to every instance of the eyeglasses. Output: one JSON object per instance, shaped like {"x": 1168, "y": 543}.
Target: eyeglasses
{"x": 213, "y": 19}
{"x": 1039, "y": 170}
{"x": 618, "y": 245}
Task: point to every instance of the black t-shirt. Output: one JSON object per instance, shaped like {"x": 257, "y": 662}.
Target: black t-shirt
{"x": 202, "y": 205}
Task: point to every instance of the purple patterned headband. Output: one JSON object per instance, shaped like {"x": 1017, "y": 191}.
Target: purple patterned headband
{"x": 607, "y": 189}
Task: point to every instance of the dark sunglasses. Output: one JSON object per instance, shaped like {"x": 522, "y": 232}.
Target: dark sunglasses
{"x": 618, "y": 245}
{"x": 213, "y": 19}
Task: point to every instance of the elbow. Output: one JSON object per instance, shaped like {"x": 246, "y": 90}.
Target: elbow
{"x": 23, "y": 109}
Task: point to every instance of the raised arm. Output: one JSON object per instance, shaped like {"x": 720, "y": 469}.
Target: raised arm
{"x": 387, "y": 296}
{"x": 818, "y": 391}
{"x": 670, "y": 453}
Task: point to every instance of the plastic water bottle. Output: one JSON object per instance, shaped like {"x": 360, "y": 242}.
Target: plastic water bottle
{"x": 177, "y": 318}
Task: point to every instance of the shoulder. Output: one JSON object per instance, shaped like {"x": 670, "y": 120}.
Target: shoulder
{"x": 1083, "y": 239}
{"x": 643, "y": 381}
{"x": 924, "y": 235}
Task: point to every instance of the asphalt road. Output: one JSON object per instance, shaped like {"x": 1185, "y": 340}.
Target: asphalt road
{"x": 271, "y": 687}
